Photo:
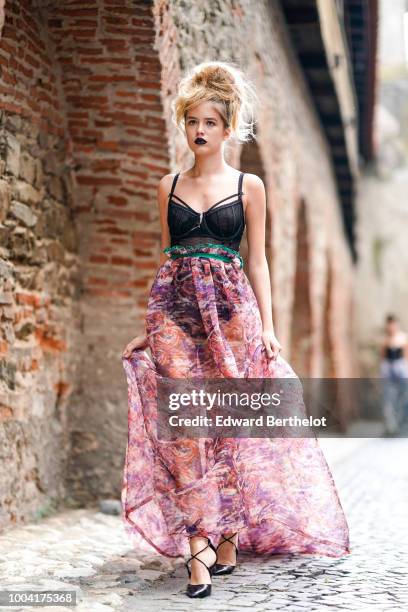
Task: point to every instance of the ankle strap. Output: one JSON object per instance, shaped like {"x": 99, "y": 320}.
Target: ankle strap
{"x": 194, "y": 556}
{"x": 229, "y": 539}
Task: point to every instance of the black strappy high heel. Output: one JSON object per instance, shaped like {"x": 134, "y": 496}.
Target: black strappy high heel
{"x": 219, "y": 569}
{"x": 200, "y": 590}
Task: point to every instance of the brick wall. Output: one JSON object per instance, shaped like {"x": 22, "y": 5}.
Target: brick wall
{"x": 38, "y": 270}
{"x": 94, "y": 116}
{"x": 114, "y": 109}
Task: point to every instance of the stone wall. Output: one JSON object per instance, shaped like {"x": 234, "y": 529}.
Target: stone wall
{"x": 38, "y": 269}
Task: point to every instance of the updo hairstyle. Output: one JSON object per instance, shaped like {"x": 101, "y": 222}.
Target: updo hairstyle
{"x": 231, "y": 92}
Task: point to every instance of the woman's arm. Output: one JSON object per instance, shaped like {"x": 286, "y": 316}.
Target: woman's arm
{"x": 258, "y": 271}
{"x": 404, "y": 345}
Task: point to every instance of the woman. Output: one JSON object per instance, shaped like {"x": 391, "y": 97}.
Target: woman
{"x": 205, "y": 319}
{"x": 394, "y": 371}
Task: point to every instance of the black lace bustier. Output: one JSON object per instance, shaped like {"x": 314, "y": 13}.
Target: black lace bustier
{"x": 223, "y": 223}
{"x": 393, "y": 352}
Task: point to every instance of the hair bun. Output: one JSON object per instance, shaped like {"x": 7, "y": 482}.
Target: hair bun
{"x": 225, "y": 85}
{"x": 213, "y": 75}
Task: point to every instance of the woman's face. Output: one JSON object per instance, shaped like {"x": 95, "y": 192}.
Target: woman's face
{"x": 392, "y": 327}
{"x": 204, "y": 123}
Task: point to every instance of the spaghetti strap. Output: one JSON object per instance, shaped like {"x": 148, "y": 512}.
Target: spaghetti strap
{"x": 220, "y": 201}
{"x": 173, "y": 185}
{"x": 241, "y": 177}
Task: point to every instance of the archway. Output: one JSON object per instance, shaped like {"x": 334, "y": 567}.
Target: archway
{"x": 328, "y": 363}
{"x": 301, "y": 329}
{"x": 251, "y": 161}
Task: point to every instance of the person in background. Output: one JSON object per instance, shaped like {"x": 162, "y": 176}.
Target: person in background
{"x": 394, "y": 371}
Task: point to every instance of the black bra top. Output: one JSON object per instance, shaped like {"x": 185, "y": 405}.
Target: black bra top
{"x": 223, "y": 224}
{"x": 393, "y": 352}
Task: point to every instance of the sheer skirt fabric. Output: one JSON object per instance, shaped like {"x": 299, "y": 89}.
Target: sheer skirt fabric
{"x": 203, "y": 321}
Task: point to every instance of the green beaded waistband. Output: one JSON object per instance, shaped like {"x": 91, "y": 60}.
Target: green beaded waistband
{"x": 192, "y": 251}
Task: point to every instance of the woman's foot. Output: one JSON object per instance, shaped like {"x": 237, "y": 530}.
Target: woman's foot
{"x": 203, "y": 558}
{"x": 227, "y": 552}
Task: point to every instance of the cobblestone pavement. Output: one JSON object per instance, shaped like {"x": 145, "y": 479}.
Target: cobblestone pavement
{"x": 88, "y": 551}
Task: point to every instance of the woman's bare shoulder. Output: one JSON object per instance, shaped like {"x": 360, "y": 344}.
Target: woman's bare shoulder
{"x": 253, "y": 189}
{"x": 402, "y": 337}
{"x": 165, "y": 183}
{"x": 253, "y": 180}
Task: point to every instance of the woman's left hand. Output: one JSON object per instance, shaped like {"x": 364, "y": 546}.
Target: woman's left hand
{"x": 271, "y": 344}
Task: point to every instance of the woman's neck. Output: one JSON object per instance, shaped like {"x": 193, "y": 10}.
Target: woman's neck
{"x": 208, "y": 165}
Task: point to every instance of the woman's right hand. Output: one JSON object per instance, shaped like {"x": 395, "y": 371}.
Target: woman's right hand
{"x": 136, "y": 343}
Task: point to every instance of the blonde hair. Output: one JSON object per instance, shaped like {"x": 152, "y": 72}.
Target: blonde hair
{"x": 226, "y": 86}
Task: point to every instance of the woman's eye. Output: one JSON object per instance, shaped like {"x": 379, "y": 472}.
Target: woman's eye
{"x": 191, "y": 121}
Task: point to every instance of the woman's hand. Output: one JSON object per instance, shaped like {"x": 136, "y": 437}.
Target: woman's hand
{"x": 137, "y": 342}
{"x": 271, "y": 344}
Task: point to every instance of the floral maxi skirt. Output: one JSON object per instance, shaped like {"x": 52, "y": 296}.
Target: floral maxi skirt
{"x": 203, "y": 321}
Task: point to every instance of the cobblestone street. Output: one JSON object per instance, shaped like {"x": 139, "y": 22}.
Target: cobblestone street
{"x": 88, "y": 551}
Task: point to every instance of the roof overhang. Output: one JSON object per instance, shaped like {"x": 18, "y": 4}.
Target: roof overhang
{"x": 317, "y": 29}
